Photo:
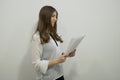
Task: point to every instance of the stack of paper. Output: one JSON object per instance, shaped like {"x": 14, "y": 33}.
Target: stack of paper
{"x": 73, "y": 44}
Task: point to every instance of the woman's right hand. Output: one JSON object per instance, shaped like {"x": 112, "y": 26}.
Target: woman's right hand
{"x": 62, "y": 58}
{"x": 58, "y": 60}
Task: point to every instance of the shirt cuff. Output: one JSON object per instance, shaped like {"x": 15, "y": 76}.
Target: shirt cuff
{"x": 44, "y": 66}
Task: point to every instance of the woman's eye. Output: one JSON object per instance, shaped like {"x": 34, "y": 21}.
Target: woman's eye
{"x": 53, "y": 15}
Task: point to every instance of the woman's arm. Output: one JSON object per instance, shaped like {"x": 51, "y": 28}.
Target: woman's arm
{"x": 39, "y": 65}
{"x": 60, "y": 59}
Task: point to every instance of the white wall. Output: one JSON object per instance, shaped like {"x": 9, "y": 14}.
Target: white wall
{"x": 97, "y": 57}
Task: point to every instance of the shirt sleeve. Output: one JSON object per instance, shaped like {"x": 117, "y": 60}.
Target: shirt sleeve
{"x": 39, "y": 65}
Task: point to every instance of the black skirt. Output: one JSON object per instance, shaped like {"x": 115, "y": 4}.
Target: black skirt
{"x": 61, "y": 78}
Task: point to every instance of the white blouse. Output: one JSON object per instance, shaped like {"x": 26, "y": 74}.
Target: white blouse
{"x": 40, "y": 58}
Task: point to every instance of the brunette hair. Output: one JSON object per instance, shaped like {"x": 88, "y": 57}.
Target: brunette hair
{"x": 44, "y": 26}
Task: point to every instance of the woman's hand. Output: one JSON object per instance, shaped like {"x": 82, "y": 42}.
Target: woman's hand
{"x": 71, "y": 54}
{"x": 62, "y": 58}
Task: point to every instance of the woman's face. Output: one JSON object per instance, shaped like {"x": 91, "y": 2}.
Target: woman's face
{"x": 53, "y": 18}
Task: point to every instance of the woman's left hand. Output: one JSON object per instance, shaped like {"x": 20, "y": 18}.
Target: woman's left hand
{"x": 72, "y": 54}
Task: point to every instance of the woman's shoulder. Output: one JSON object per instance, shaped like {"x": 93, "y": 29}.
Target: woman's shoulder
{"x": 36, "y": 35}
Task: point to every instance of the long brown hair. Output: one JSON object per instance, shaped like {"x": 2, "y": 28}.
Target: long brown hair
{"x": 44, "y": 26}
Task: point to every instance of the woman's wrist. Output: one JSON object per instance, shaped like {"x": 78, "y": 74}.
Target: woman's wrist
{"x": 53, "y": 62}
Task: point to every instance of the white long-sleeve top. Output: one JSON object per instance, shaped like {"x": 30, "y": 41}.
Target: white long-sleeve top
{"x": 41, "y": 54}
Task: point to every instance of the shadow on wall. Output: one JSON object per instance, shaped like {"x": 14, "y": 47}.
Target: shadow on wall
{"x": 96, "y": 72}
{"x": 73, "y": 73}
{"x": 26, "y": 69}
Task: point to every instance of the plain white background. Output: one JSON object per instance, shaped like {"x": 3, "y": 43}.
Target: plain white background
{"x": 97, "y": 57}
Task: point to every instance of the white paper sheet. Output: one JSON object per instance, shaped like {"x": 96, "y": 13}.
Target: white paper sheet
{"x": 73, "y": 44}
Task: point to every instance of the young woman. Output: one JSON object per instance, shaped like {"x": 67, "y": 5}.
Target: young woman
{"x": 46, "y": 53}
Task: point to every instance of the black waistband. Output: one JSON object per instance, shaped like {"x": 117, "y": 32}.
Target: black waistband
{"x": 61, "y": 78}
